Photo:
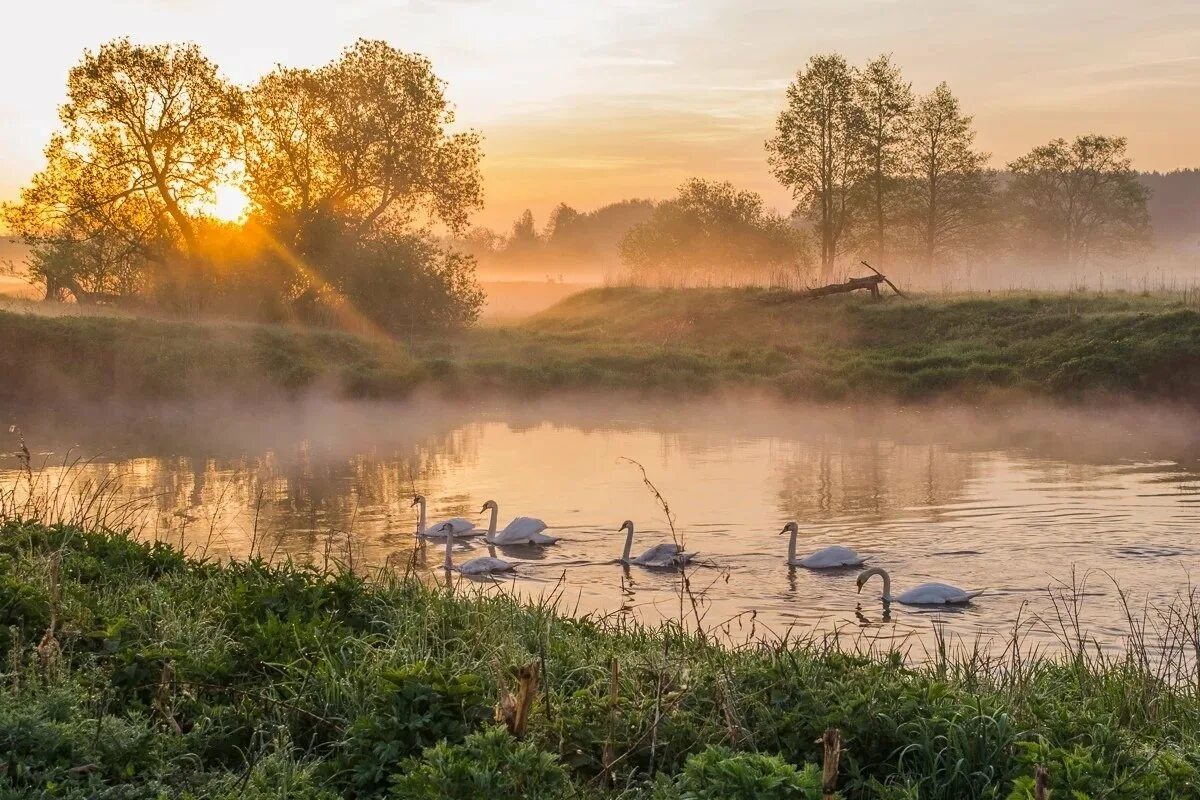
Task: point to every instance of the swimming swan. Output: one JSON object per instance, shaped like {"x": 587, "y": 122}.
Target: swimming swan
{"x": 484, "y": 565}
{"x": 522, "y": 530}
{"x": 927, "y": 594}
{"x": 825, "y": 558}
{"x": 460, "y": 527}
{"x": 660, "y": 555}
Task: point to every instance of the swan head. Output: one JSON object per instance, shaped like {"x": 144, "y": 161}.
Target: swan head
{"x": 490, "y": 505}
{"x": 627, "y": 525}
{"x": 447, "y": 528}
{"x": 417, "y": 500}
{"x": 791, "y": 527}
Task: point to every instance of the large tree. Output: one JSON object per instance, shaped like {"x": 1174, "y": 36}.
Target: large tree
{"x": 714, "y": 230}
{"x": 817, "y": 150}
{"x": 887, "y": 102}
{"x": 1077, "y": 199}
{"x": 364, "y": 141}
{"x": 147, "y": 135}
{"x": 950, "y": 189}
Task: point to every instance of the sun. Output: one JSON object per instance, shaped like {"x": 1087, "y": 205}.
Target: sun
{"x": 230, "y": 203}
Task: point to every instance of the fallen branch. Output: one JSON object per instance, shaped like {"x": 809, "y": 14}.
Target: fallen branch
{"x": 895, "y": 288}
{"x": 870, "y": 283}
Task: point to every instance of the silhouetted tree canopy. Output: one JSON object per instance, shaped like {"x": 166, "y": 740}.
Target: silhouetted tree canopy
{"x": 1077, "y": 200}
{"x": 948, "y": 197}
{"x": 819, "y": 151}
{"x": 342, "y": 164}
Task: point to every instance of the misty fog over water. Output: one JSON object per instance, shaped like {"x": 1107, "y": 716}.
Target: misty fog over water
{"x": 1017, "y": 500}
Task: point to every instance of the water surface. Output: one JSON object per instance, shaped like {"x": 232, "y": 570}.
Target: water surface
{"x": 1022, "y": 502}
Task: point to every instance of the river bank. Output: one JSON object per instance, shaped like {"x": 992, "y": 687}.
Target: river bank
{"x": 134, "y": 670}
{"x": 655, "y": 341}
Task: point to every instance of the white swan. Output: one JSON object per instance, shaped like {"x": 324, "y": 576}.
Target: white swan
{"x": 484, "y": 565}
{"x": 927, "y": 594}
{"x": 459, "y": 527}
{"x": 522, "y": 530}
{"x": 825, "y": 558}
{"x": 667, "y": 554}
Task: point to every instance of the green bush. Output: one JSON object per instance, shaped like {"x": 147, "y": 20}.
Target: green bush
{"x": 489, "y": 764}
{"x": 719, "y": 773}
{"x": 420, "y": 706}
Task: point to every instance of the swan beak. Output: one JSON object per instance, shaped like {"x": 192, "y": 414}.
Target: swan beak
{"x": 860, "y": 588}
{"x": 414, "y": 502}
{"x": 483, "y": 509}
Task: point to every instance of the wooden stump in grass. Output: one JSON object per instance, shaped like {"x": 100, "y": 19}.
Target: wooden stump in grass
{"x": 1041, "y": 783}
{"x": 512, "y": 710}
{"x": 832, "y": 741}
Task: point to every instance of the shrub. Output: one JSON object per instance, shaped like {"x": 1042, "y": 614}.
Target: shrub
{"x": 488, "y": 764}
{"x": 420, "y": 707}
{"x": 718, "y": 773}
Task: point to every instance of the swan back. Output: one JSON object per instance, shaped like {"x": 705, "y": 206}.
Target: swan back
{"x": 667, "y": 554}
{"x": 831, "y": 558}
{"x": 523, "y": 530}
{"x": 936, "y": 594}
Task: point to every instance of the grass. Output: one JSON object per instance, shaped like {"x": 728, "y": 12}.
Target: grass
{"x": 132, "y": 671}
{"x": 1071, "y": 346}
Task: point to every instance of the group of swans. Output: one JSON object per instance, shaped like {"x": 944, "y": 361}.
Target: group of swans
{"x": 836, "y": 557}
{"x": 665, "y": 555}
{"x": 522, "y": 530}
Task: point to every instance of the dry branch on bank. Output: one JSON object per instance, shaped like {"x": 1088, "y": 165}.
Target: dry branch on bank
{"x": 870, "y": 283}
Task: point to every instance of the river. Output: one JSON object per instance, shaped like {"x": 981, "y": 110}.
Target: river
{"x": 1034, "y": 504}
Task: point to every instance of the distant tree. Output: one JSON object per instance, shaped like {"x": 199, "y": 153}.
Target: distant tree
{"x": 481, "y": 242}
{"x": 364, "y": 140}
{"x": 886, "y": 101}
{"x": 712, "y": 230}
{"x": 561, "y": 224}
{"x": 524, "y": 237}
{"x": 950, "y": 190}
{"x": 1079, "y": 199}
{"x": 818, "y": 150}
{"x": 147, "y": 135}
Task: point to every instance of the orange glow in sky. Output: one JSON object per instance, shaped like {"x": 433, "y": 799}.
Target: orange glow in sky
{"x": 594, "y": 102}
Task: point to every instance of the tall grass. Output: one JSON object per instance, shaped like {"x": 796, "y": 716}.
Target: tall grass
{"x": 134, "y": 671}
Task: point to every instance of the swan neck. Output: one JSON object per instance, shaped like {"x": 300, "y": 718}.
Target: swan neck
{"x": 449, "y": 544}
{"x": 628, "y": 543}
{"x": 492, "y": 523}
{"x": 887, "y": 582}
{"x": 421, "y": 517}
{"x": 792, "y": 545}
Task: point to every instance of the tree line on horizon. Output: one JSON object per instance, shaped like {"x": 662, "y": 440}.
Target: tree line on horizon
{"x": 880, "y": 172}
{"x": 360, "y": 195}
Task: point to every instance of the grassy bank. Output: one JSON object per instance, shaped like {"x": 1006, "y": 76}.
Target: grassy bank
{"x": 1068, "y": 346}
{"x": 130, "y": 671}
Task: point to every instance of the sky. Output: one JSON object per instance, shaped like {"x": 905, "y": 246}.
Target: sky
{"x": 589, "y": 102}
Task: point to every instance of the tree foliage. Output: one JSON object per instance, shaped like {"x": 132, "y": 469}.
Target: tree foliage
{"x": 147, "y": 135}
{"x": 887, "y": 104}
{"x": 346, "y": 166}
{"x": 818, "y": 148}
{"x": 949, "y": 189}
{"x": 363, "y": 139}
{"x": 713, "y": 230}
{"x": 1075, "y": 200}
